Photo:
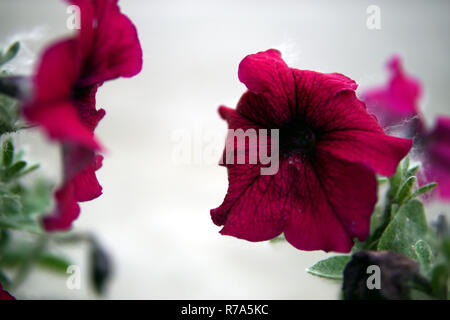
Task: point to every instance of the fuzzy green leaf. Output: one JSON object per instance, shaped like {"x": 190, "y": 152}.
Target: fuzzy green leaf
{"x": 406, "y": 189}
{"x": 9, "y": 205}
{"x": 331, "y": 268}
{"x": 9, "y": 114}
{"x": 405, "y": 167}
{"x": 10, "y": 53}
{"x": 422, "y": 190}
{"x": 395, "y": 181}
{"x": 36, "y": 199}
{"x": 412, "y": 171}
{"x": 407, "y": 227}
{"x": 7, "y": 153}
{"x": 424, "y": 254}
{"x": 21, "y": 223}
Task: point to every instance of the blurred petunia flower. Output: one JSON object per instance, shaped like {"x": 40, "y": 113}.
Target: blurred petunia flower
{"x": 396, "y": 107}
{"x": 330, "y": 147}
{"x": 397, "y": 101}
{"x": 63, "y": 103}
{"x": 434, "y": 152}
{"x": 4, "y": 295}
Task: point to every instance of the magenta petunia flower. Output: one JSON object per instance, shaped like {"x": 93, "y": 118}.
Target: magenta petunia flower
{"x": 398, "y": 100}
{"x": 330, "y": 147}
{"x": 4, "y": 295}
{"x": 65, "y": 85}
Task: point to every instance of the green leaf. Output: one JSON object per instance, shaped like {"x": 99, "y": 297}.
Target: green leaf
{"x": 376, "y": 219}
{"x": 331, "y": 268}
{"x": 395, "y": 182}
{"x": 36, "y": 199}
{"x": 54, "y": 262}
{"x": 21, "y": 223}
{"x": 16, "y": 168}
{"x": 405, "y": 167}
{"x": 407, "y": 227}
{"x": 406, "y": 189}
{"x": 9, "y": 205}
{"x": 422, "y": 190}
{"x": 7, "y": 152}
{"x": 28, "y": 170}
{"x": 9, "y": 114}
{"x": 424, "y": 254}
{"x": 412, "y": 171}
{"x": 10, "y": 53}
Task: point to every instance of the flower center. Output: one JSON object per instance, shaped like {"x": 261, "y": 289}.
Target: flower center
{"x": 297, "y": 138}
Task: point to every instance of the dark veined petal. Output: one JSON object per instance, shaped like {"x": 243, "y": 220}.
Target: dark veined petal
{"x": 332, "y": 204}
{"x": 112, "y": 44}
{"x": 279, "y": 94}
{"x": 354, "y": 135}
{"x": 266, "y": 74}
{"x": 320, "y": 203}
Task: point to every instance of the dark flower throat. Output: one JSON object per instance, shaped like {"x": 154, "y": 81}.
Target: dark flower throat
{"x": 297, "y": 138}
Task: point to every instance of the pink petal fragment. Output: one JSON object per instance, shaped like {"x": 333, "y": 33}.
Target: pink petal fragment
{"x": 397, "y": 101}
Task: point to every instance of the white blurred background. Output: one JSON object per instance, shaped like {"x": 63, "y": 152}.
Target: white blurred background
{"x": 154, "y": 214}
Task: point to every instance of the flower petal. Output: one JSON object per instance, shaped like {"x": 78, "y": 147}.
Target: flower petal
{"x": 62, "y": 123}
{"x": 354, "y": 135}
{"x": 86, "y": 185}
{"x": 279, "y": 94}
{"x": 333, "y": 202}
{"x": 57, "y": 72}
{"x": 66, "y": 210}
{"x": 115, "y": 50}
{"x": 315, "y": 91}
{"x": 246, "y": 212}
{"x": 85, "y": 102}
{"x": 266, "y": 74}
{"x": 252, "y": 209}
